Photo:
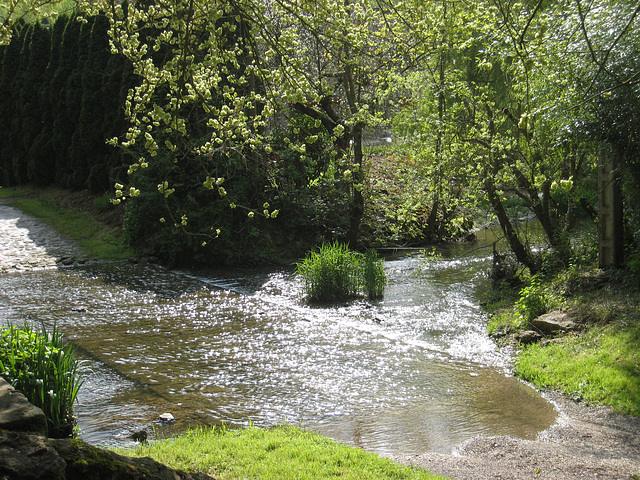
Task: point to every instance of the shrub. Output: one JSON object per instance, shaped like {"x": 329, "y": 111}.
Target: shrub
{"x": 335, "y": 273}
{"x": 533, "y": 301}
{"x": 45, "y": 370}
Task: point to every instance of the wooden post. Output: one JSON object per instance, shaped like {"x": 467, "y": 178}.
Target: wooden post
{"x": 610, "y": 222}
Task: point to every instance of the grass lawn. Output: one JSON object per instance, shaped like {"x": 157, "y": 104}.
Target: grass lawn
{"x": 277, "y": 453}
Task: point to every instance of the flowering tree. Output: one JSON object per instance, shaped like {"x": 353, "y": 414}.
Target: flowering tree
{"x": 241, "y": 62}
{"x": 12, "y": 11}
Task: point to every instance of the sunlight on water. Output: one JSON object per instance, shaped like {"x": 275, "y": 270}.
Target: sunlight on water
{"x": 414, "y": 372}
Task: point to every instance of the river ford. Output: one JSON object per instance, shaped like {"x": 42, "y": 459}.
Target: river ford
{"x": 395, "y": 378}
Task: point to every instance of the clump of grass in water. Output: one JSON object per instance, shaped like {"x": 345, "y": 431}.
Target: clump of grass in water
{"x": 45, "y": 370}
{"x": 335, "y": 273}
{"x": 373, "y": 275}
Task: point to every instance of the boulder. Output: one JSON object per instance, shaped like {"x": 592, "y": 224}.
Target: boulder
{"x": 17, "y": 414}
{"x": 528, "y": 336}
{"x": 27, "y": 457}
{"x": 554, "y": 322}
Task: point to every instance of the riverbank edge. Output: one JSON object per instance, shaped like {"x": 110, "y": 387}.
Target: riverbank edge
{"x": 568, "y": 348}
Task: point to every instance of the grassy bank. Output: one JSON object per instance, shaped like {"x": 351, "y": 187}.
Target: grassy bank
{"x": 89, "y": 221}
{"x": 600, "y": 363}
{"x": 282, "y": 452}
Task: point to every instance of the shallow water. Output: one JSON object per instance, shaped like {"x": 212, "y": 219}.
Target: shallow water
{"x": 412, "y": 373}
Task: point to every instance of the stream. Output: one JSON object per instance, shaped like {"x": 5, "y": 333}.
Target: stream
{"x": 412, "y": 373}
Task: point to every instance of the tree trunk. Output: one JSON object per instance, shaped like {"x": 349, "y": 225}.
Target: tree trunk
{"x": 357, "y": 202}
{"x": 522, "y": 253}
{"x": 610, "y": 219}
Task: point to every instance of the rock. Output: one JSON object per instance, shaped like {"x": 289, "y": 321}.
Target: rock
{"x": 66, "y": 261}
{"x": 553, "y": 322}
{"x": 28, "y": 457}
{"x": 17, "y": 414}
{"x": 528, "y": 336}
{"x": 25, "y": 456}
{"x": 166, "y": 418}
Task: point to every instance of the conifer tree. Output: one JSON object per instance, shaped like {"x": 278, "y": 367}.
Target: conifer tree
{"x": 15, "y": 146}
{"x": 8, "y": 69}
{"x": 73, "y": 97}
{"x": 32, "y": 109}
{"x": 41, "y": 159}
{"x": 62, "y": 125}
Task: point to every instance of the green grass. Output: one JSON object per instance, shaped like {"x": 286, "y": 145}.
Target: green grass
{"x": 600, "y": 366}
{"x": 282, "y": 452}
{"x": 94, "y": 238}
{"x": 11, "y": 192}
{"x": 335, "y": 273}
{"x": 43, "y": 367}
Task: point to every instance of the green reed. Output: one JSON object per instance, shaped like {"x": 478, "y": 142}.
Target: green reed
{"x": 335, "y": 273}
{"x": 373, "y": 276}
{"x": 41, "y": 366}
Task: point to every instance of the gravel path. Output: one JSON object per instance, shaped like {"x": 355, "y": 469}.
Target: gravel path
{"x": 26, "y": 243}
{"x": 586, "y": 443}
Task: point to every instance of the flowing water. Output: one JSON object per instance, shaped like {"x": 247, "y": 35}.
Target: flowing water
{"x": 412, "y": 373}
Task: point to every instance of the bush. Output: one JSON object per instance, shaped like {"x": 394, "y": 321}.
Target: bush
{"x": 335, "y": 273}
{"x": 533, "y": 301}
{"x": 45, "y": 370}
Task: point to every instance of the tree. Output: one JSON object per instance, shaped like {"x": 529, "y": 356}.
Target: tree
{"x": 611, "y": 75}
{"x": 505, "y": 103}
{"x": 240, "y": 62}
{"x": 12, "y": 12}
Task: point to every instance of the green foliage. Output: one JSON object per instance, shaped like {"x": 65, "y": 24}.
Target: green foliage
{"x": 336, "y": 273}
{"x": 281, "y": 452}
{"x": 310, "y": 188}
{"x": 45, "y": 370}
{"x": 373, "y": 276}
{"x": 534, "y": 301}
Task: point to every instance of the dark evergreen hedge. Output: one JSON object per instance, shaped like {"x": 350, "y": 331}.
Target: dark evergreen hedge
{"x": 61, "y": 96}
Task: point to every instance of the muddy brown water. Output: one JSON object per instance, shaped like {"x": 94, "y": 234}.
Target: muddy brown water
{"x": 410, "y": 374}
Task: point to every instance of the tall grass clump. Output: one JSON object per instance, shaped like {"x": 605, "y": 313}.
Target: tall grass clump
{"x": 335, "y": 273}
{"x": 40, "y": 365}
{"x": 373, "y": 276}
